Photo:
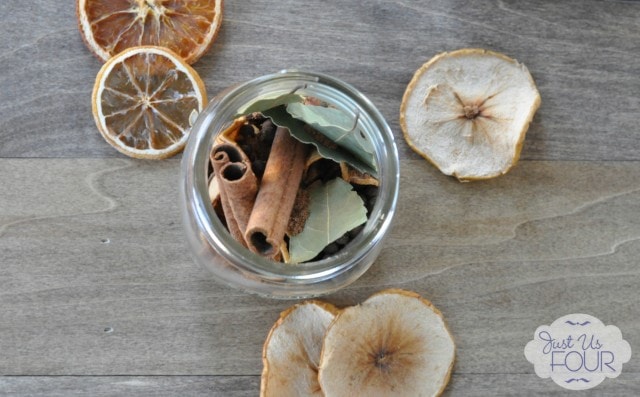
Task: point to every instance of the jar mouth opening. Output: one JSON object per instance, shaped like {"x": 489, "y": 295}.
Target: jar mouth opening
{"x": 220, "y": 113}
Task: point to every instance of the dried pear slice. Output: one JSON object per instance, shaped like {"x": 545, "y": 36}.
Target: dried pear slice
{"x": 291, "y": 353}
{"x": 394, "y": 344}
{"x": 468, "y": 111}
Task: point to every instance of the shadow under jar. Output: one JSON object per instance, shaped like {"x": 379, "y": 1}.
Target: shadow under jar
{"x": 213, "y": 247}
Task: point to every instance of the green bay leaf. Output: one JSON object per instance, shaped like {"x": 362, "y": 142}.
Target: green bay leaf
{"x": 334, "y": 209}
{"x": 268, "y": 103}
{"x": 326, "y": 148}
{"x": 338, "y": 126}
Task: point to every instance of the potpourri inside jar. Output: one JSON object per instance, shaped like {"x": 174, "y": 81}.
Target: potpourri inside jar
{"x": 293, "y": 178}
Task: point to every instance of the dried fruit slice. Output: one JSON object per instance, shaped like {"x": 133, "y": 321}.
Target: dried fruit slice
{"x": 394, "y": 344}
{"x": 145, "y": 100}
{"x": 185, "y": 27}
{"x": 292, "y": 350}
{"x": 468, "y": 111}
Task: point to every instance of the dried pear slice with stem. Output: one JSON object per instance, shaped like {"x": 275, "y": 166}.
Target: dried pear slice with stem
{"x": 394, "y": 344}
{"x": 291, "y": 353}
{"x": 468, "y": 111}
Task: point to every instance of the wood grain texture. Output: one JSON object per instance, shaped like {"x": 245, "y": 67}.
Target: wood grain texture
{"x": 529, "y": 385}
{"x": 584, "y": 55}
{"x": 116, "y": 386}
{"x": 99, "y": 282}
{"x": 470, "y": 385}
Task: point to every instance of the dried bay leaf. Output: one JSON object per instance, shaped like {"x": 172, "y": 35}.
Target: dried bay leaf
{"x": 325, "y": 146}
{"x": 338, "y": 126}
{"x": 270, "y": 103}
{"x": 334, "y": 209}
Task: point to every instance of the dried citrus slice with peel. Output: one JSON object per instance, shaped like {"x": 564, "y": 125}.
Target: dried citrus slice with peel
{"x": 145, "y": 100}
{"x": 394, "y": 344}
{"x": 468, "y": 111}
{"x": 291, "y": 352}
{"x": 185, "y": 27}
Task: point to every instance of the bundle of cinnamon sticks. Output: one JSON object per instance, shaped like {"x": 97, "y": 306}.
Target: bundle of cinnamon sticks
{"x": 258, "y": 218}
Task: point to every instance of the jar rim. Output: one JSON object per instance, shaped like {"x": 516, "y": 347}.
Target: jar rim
{"x": 197, "y": 201}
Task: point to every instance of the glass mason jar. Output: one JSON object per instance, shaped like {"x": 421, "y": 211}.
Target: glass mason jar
{"x": 214, "y": 248}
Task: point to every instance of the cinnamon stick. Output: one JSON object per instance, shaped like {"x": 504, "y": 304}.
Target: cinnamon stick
{"x": 238, "y": 186}
{"x": 278, "y": 189}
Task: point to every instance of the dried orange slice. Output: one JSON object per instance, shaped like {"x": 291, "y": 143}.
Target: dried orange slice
{"x": 145, "y": 100}
{"x": 394, "y": 344}
{"x": 291, "y": 352}
{"x": 468, "y": 111}
{"x": 186, "y": 27}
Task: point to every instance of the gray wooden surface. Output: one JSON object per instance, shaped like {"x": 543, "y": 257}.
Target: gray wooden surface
{"x": 99, "y": 297}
